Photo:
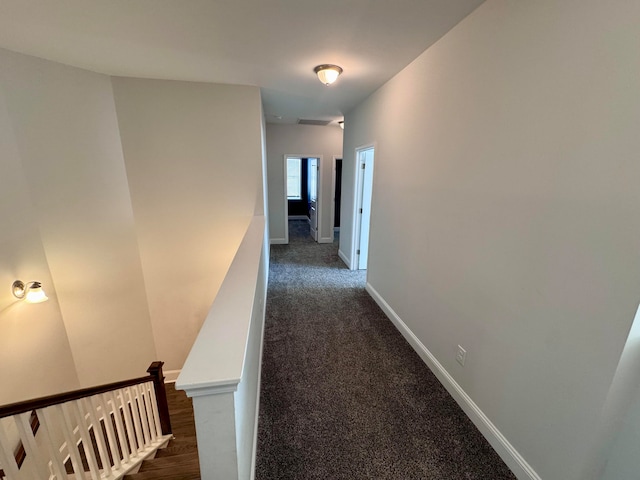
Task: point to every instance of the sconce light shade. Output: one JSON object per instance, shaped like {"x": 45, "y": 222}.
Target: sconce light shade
{"x": 341, "y": 123}
{"x": 32, "y": 292}
{"x": 328, "y": 73}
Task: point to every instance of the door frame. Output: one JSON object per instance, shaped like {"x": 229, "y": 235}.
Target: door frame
{"x": 357, "y": 204}
{"x": 315, "y": 234}
{"x": 286, "y": 202}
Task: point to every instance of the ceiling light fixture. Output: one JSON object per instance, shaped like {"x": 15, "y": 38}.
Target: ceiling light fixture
{"x": 328, "y": 73}
{"x": 32, "y": 292}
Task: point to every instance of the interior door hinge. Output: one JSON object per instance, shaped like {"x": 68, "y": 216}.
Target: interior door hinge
{"x": 358, "y": 252}
{"x": 360, "y": 210}
{"x": 364, "y": 165}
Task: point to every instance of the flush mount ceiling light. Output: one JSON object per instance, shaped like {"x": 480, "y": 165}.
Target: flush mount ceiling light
{"x": 328, "y": 73}
{"x": 32, "y": 292}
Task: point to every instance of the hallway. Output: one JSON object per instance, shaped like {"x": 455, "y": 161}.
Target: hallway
{"x": 343, "y": 395}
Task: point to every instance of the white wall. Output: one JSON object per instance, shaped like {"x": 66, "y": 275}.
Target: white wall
{"x": 300, "y": 140}
{"x": 506, "y": 212}
{"x": 66, "y": 134}
{"x": 35, "y": 354}
{"x": 193, "y": 155}
{"x": 116, "y": 246}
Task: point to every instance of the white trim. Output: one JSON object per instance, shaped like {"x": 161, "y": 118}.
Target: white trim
{"x": 134, "y": 466}
{"x": 498, "y": 441}
{"x": 278, "y": 241}
{"x": 325, "y": 240}
{"x": 297, "y": 217}
{"x": 344, "y": 258}
{"x": 357, "y": 204}
{"x": 318, "y": 201}
{"x": 286, "y": 202}
{"x": 254, "y": 451}
{"x": 319, "y": 197}
{"x": 170, "y": 376}
{"x": 333, "y": 191}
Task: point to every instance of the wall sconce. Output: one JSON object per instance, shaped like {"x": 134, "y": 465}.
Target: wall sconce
{"x": 32, "y": 292}
{"x": 328, "y": 73}
{"x": 341, "y": 123}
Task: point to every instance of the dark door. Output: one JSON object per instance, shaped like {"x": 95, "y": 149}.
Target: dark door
{"x": 338, "y": 192}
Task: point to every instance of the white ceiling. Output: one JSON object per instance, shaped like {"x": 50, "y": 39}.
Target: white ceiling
{"x": 273, "y": 44}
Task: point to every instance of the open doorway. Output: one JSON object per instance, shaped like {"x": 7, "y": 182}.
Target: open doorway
{"x": 337, "y": 196}
{"x": 302, "y": 192}
{"x": 362, "y": 214}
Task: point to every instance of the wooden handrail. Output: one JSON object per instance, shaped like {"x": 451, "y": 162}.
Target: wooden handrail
{"x": 42, "y": 402}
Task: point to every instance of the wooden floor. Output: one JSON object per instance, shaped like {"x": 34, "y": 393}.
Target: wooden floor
{"x": 179, "y": 460}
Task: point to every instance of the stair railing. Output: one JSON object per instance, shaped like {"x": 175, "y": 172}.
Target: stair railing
{"x": 105, "y": 431}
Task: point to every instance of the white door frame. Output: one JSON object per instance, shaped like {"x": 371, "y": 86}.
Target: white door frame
{"x": 315, "y": 232}
{"x": 286, "y": 202}
{"x": 357, "y": 204}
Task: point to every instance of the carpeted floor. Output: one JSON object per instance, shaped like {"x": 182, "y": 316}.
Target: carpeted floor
{"x": 343, "y": 394}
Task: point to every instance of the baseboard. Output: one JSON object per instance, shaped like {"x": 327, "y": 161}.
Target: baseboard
{"x": 336, "y": 229}
{"x": 498, "y": 441}
{"x": 325, "y": 240}
{"x": 278, "y": 241}
{"x": 254, "y": 453}
{"x": 298, "y": 217}
{"x": 170, "y": 376}
{"x": 344, "y": 258}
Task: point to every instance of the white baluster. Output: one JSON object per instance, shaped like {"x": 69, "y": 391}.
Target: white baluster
{"x": 47, "y": 425}
{"x": 90, "y": 409}
{"x": 120, "y": 430}
{"x": 141, "y": 414}
{"x": 70, "y": 439}
{"x": 74, "y": 408}
{"x": 36, "y": 458}
{"x": 103, "y": 403}
{"x": 135, "y": 411}
{"x": 128, "y": 421}
{"x": 148, "y": 415}
{"x": 7, "y": 460}
{"x": 156, "y": 413}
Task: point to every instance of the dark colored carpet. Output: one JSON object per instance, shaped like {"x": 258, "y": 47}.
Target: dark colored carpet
{"x": 343, "y": 394}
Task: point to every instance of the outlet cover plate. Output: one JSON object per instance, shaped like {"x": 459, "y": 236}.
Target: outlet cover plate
{"x": 461, "y": 355}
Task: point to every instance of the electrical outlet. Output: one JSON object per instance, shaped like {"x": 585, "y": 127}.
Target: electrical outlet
{"x": 461, "y": 355}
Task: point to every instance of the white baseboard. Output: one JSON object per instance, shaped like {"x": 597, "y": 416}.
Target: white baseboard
{"x": 170, "y": 376}
{"x": 298, "y": 217}
{"x": 278, "y": 241}
{"x": 254, "y": 451}
{"x": 325, "y": 240}
{"x": 344, "y": 258}
{"x": 336, "y": 229}
{"x": 498, "y": 441}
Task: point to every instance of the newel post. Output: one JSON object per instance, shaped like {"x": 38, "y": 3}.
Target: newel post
{"x": 155, "y": 370}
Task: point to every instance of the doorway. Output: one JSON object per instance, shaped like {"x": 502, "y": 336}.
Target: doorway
{"x": 362, "y": 214}
{"x": 302, "y": 192}
{"x": 337, "y": 195}
{"x": 313, "y": 165}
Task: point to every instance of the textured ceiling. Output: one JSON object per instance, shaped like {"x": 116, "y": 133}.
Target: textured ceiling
{"x": 273, "y": 44}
